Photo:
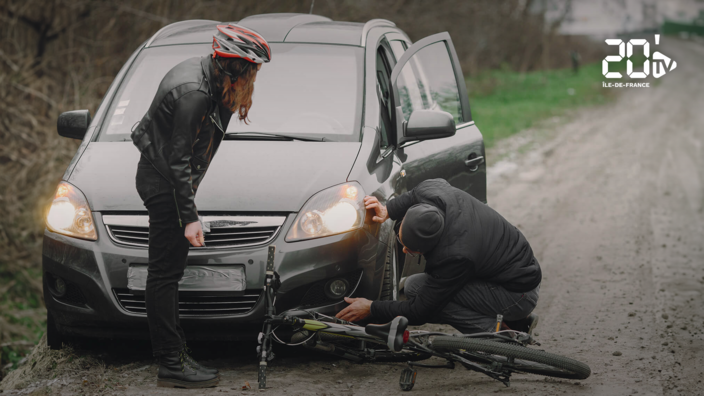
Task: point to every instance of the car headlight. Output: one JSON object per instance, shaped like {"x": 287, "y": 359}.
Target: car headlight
{"x": 332, "y": 211}
{"x": 69, "y": 213}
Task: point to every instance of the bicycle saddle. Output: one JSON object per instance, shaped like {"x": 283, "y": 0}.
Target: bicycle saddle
{"x": 393, "y": 332}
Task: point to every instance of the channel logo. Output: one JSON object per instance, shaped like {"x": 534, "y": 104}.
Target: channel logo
{"x": 661, "y": 62}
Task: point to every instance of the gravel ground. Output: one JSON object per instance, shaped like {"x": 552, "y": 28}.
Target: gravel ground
{"x": 612, "y": 201}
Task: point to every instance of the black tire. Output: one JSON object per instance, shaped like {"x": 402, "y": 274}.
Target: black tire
{"x": 53, "y": 338}
{"x": 524, "y": 358}
{"x": 403, "y": 356}
{"x": 389, "y": 282}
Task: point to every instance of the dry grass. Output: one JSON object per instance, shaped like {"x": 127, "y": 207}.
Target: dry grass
{"x": 45, "y": 370}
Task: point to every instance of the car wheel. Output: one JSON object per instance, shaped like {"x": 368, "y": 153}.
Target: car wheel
{"x": 389, "y": 286}
{"x": 53, "y": 337}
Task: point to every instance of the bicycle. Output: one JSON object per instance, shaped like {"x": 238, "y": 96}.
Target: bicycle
{"x": 497, "y": 355}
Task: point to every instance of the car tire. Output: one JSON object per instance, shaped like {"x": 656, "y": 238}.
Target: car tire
{"x": 53, "y": 337}
{"x": 389, "y": 286}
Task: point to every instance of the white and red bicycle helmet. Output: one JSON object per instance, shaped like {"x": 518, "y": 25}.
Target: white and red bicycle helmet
{"x": 235, "y": 41}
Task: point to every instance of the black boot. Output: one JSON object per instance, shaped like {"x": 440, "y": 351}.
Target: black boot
{"x": 176, "y": 372}
{"x": 199, "y": 367}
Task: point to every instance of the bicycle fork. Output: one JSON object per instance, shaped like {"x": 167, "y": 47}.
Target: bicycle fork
{"x": 271, "y": 284}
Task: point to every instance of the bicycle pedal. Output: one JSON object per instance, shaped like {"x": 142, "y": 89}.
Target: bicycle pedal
{"x": 408, "y": 379}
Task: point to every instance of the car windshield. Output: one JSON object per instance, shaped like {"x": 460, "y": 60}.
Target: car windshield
{"x": 307, "y": 89}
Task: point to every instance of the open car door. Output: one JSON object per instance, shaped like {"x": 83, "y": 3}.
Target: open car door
{"x": 428, "y": 77}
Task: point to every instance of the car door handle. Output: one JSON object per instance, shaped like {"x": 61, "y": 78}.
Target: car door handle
{"x": 473, "y": 163}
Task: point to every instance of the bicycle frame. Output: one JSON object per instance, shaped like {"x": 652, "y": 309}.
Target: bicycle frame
{"x": 338, "y": 327}
{"x": 418, "y": 341}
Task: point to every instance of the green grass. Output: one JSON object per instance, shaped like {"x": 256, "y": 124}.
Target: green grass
{"x": 504, "y": 102}
{"x": 22, "y": 318}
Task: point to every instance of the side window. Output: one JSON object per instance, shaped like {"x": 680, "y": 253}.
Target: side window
{"x": 428, "y": 82}
{"x": 411, "y": 90}
{"x": 383, "y": 72}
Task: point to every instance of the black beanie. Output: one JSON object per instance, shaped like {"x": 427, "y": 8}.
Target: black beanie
{"x": 422, "y": 227}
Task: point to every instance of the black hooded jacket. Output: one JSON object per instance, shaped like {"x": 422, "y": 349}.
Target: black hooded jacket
{"x": 477, "y": 243}
{"x": 183, "y": 129}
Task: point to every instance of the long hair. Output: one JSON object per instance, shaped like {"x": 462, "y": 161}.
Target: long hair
{"x": 237, "y": 97}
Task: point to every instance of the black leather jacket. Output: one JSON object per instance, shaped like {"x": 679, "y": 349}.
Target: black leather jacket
{"x": 183, "y": 129}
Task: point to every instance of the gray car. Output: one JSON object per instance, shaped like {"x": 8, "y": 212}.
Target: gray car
{"x": 343, "y": 110}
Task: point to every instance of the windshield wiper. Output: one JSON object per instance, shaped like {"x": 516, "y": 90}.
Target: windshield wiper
{"x": 276, "y": 135}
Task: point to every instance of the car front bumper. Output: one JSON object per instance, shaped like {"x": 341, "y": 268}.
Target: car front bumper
{"x": 95, "y": 270}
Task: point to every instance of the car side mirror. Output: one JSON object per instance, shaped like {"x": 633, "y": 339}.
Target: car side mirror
{"x": 428, "y": 124}
{"x": 73, "y": 124}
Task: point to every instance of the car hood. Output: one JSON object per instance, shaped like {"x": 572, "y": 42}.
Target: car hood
{"x": 244, "y": 176}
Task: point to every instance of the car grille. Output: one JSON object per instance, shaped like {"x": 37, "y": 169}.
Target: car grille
{"x": 224, "y": 231}
{"x": 194, "y": 304}
{"x": 73, "y": 296}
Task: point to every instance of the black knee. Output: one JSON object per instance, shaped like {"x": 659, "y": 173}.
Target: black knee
{"x": 413, "y": 283}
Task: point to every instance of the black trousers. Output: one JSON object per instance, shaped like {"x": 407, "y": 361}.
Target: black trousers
{"x": 168, "y": 253}
{"x": 473, "y": 309}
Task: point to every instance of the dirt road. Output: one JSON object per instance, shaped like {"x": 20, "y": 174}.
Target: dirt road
{"x": 612, "y": 202}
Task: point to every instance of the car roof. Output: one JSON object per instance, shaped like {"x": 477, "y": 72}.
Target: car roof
{"x": 280, "y": 27}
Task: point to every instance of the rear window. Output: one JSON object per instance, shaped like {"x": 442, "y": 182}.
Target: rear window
{"x": 307, "y": 89}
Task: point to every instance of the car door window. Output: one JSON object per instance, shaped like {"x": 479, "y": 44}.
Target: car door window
{"x": 428, "y": 77}
{"x": 428, "y": 82}
{"x": 410, "y": 93}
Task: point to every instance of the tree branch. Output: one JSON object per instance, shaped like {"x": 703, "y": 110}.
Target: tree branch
{"x": 34, "y": 93}
{"x": 144, "y": 14}
{"x": 36, "y": 25}
{"x": 53, "y": 36}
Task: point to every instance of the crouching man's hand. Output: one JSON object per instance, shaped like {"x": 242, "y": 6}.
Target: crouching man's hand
{"x": 379, "y": 210}
{"x": 358, "y": 309}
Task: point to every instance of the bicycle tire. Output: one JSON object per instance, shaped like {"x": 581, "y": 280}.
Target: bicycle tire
{"x": 403, "y": 356}
{"x": 562, "y": 367}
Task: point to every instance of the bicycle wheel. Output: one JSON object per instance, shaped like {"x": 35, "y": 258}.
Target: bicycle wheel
{"x": 403, "y": 356}
{"x": 523, "y": 359}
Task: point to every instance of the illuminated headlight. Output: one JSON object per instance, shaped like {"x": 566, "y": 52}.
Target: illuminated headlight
{"x": 332, "y": 211}
{"x": 69, "y": 213}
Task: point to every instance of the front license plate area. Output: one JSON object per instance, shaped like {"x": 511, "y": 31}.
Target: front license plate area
{"x": 219, "y": 280}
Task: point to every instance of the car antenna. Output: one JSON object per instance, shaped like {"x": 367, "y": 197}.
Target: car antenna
{"x": 312, "y": 3}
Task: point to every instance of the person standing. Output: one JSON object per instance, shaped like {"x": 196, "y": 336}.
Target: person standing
{"x": 177, "y": 139}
